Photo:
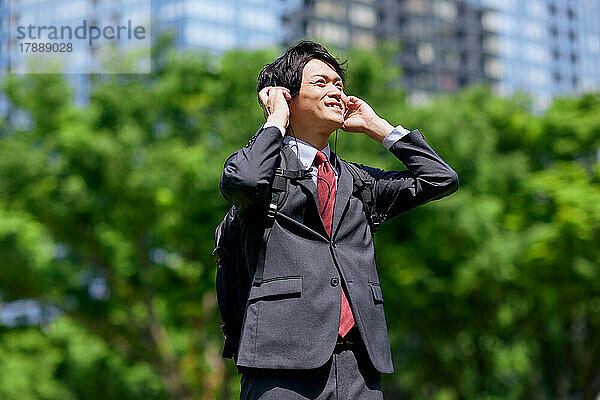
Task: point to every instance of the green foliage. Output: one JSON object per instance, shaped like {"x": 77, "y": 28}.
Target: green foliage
{"x": 490, "y": 293}
{"x": 492, "y": 288}
{"x": 65, "y": 362}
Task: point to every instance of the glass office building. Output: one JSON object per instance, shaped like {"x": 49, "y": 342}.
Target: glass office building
{"x": 543, "y": 47}
{"x": 199, "y": 24}
{"x": 441, "y": 47}
{"x": 546, "y": 48}
{"x": 26, "y": 23}
{"x": 214, "y": 26}
{"x": 222, "y": 25}
{"x": 57, "y": 23}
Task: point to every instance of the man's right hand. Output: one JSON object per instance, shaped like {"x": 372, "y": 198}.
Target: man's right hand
{"x": 274, "y": 100}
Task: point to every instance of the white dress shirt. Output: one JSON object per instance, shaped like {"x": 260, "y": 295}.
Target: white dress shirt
{"x": 306, "y": 154}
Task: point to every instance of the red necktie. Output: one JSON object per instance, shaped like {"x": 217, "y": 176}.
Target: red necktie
{"x": 327, "y": 188}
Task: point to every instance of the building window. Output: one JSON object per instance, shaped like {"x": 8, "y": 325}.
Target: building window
{"x": 594, "y": 44}
{"x": 331, "y": 32}
{"x": 330, "y": 10}
{"x": 509, "y": 48}
{"x": 73, "y": 10}
{"x": 449, "y": 82}
{"x": 210, "y": 11}
{"x": 490, "y": 44}
{"x": 446, "y": 10}
{"x": 506, "y": 5}
{"x": 257, "y": 41}
{"x": 425, "y": 53}
{"x": 452, "y": 60}
{"x": 424, "y": 80}
{"x": 258, "y": 20}
{"x": 493, "y": 68}
{"x": 536, "y": 9}
{"x": 536, "y": 53}
{"x": 496, "y": 22}
{"x": 461, "y": 10}
{"x": 417, "y": 29}
{"x": 419, "y": 7}
{"x": 557, "y": 77}
{"x": 364, "y": 16}
{"x": 572, "y": 36}
{"x": 364, "y": 39}
{"x": 538, "y": 77}
{"x": 209, "y": 36}
{"x": 574, "y": 58}
{"x": 534, "y": 31}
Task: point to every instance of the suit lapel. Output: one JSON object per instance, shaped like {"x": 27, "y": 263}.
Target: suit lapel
{"x": 308, "y": 186}
{"x": 344, "y": 191}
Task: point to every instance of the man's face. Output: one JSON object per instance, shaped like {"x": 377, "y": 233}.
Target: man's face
{"x": 321, "y": 102}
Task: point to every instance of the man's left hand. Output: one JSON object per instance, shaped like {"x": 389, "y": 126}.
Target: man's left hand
{"x": 361, "y": 118}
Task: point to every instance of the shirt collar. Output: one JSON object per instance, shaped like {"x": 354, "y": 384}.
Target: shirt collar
{"x": 306, "y": 152}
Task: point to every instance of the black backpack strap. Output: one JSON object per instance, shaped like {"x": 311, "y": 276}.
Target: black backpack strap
{"x": 363, "y": 186}
{"x": 278, "y": 190}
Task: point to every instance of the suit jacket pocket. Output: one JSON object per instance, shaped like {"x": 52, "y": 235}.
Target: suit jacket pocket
{"x": 377, "y": 294}
{"x": 275, "y": 288}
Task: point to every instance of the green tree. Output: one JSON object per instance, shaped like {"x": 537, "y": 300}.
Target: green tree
{"x": 108, "y": 211}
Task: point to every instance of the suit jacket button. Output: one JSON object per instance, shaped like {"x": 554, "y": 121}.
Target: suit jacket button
{"x": 335, "y": 281}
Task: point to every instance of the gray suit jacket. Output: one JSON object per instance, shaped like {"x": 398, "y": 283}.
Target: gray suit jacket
{"x": 291, "y": 320}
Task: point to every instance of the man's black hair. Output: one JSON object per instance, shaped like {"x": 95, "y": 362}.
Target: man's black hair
{"x": 286, "y": 71}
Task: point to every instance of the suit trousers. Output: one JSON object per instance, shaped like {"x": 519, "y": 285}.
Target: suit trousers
{"x": 347, "y": 375}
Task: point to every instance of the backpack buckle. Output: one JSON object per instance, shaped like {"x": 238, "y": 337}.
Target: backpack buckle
{"x": 272, "y": 210}
{"x": 376, "y": 226}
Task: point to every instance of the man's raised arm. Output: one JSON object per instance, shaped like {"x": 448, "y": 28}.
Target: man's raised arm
{"x": 428, "y": 176}
{"x": 247, "y": 173}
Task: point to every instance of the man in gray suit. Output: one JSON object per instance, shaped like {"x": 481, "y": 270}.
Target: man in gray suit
{"x": 315, "y": 326}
